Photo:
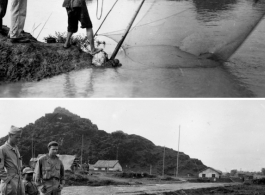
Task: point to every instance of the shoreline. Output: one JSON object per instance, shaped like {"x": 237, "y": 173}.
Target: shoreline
{"x": 35, "y": 61}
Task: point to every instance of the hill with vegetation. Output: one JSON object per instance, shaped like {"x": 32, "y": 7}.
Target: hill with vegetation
{"x": 135, "y": 153}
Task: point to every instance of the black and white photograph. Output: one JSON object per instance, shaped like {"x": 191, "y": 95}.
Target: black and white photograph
{"x": 132, "y": 97}
{"x": 133, "y": 146}
{"x": 132, "y": 48}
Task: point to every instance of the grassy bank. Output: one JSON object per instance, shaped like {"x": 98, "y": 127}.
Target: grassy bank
{"x": 35, "y": 61}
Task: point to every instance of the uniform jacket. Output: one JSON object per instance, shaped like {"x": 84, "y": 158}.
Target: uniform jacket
{"x": 10, "y": 171}
{"x": 10, "y": 159}
{"x": 46, "y": 169}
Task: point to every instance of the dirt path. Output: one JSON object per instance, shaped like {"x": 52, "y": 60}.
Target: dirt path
{"x": 137, "y": 189}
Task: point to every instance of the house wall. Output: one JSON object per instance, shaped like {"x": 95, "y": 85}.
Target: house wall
{"x": 208, "y": 173}
{"x": 117, "y": 167}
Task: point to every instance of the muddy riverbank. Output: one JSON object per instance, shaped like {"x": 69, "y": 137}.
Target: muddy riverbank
{"x": 35, "y": 61}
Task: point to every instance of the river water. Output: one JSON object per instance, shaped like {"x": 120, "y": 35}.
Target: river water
{"x": 158, "y": 71}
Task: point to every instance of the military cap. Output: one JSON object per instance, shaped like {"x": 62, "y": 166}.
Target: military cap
{"x": 27, "y": 170}
{"x": 15, "y": 130}
{"x": 52, "y": 143}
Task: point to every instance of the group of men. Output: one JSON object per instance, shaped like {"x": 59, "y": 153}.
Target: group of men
{"x": 48, "y": 176}
{"x": 76, "y": 11}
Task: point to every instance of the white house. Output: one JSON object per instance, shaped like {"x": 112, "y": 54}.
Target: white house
{"x": 107, "y": 165}
{"x": 210, "y": 173}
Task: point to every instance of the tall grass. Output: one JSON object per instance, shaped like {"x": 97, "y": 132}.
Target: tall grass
{"x": 79, "y": 41}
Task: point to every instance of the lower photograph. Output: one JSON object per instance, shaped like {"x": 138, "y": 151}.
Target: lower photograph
{"x": 132, "y": 147}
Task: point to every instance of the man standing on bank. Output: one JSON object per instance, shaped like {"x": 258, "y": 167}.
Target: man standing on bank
{"x": 49, "y": 172}
{"x": 77, "y": 11}
{"x": 18, "y": 14}
{"x": 11, "y": 164}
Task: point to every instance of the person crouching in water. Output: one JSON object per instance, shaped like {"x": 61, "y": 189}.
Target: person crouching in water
{"x": 30, "y": 187}
{"x": 77, "y": 11}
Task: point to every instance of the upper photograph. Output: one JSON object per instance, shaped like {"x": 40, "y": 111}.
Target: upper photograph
{"x": 132, "y": 48}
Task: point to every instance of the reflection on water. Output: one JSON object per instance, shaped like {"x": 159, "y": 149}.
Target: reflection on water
{"x": 176, "y": 74}
{"x": 208, "y": 6}
{"x": 212, "y": 10}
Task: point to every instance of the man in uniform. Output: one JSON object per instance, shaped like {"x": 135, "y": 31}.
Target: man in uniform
{"x": 49, "y": 172}
{"x": 11, "y": 164}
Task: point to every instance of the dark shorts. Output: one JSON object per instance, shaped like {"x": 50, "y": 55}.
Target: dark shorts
{"x": 78, "y": 14}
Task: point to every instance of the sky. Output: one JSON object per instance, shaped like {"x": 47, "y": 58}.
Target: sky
{"x": 224, "y": 134}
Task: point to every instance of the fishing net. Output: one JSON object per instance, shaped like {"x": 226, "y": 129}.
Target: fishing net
{"x": 182, "y": 32}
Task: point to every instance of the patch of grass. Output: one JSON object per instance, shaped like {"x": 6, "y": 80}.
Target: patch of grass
{"x": 80, "y": 41}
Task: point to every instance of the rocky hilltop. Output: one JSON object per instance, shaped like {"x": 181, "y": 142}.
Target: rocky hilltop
{"x": 135, "y": 153}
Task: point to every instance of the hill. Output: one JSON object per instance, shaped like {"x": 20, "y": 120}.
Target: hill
{"x": 135, "y": 153}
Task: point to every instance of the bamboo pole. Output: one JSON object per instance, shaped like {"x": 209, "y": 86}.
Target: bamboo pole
{"x": 82, "y": 152}
{"x": 178, "y": 155}
{"x": 105, "y": 18}
{"x": 126, "y": 32}
{"x": 164, "y": 162}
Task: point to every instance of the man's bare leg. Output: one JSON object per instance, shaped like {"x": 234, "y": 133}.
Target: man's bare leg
{"x": 68, "y": 39}
{"x": 90, "y": 37}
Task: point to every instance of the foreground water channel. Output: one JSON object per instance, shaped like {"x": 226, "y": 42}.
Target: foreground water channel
{"x": 241, "y": 76}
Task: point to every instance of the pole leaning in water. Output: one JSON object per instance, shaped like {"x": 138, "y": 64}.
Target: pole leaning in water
{"x": 126, "y": 32}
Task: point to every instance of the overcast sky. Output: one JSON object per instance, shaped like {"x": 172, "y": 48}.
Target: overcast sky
{"x": 224, "y": 134}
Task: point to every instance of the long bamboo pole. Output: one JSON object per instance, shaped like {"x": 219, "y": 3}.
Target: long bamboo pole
{"x": 82, "y": 152}
{"x": 126, "y": 32}
{"x": 105, "y": 18}
{"x": 164, "y": 162}
{"x": 178, "y": 155}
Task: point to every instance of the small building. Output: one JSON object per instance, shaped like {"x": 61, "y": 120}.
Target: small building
{"x": 91, "y": 167}
{"x": 249, "y": 177}
{"x": 245, "y": 175}
{"x": 210, "y": 173}
{"x": 107, "y": 165}
{"x": 241, "y": 175}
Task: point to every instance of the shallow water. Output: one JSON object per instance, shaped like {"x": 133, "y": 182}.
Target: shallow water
{"x": 143, "y": 75}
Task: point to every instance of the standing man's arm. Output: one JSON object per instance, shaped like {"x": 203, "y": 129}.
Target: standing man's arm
{"x": 3, "y": 174}
{"x": 37, "y": 173}
{"x": 62, "y": 174}
{"x": 62, "y": 180}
